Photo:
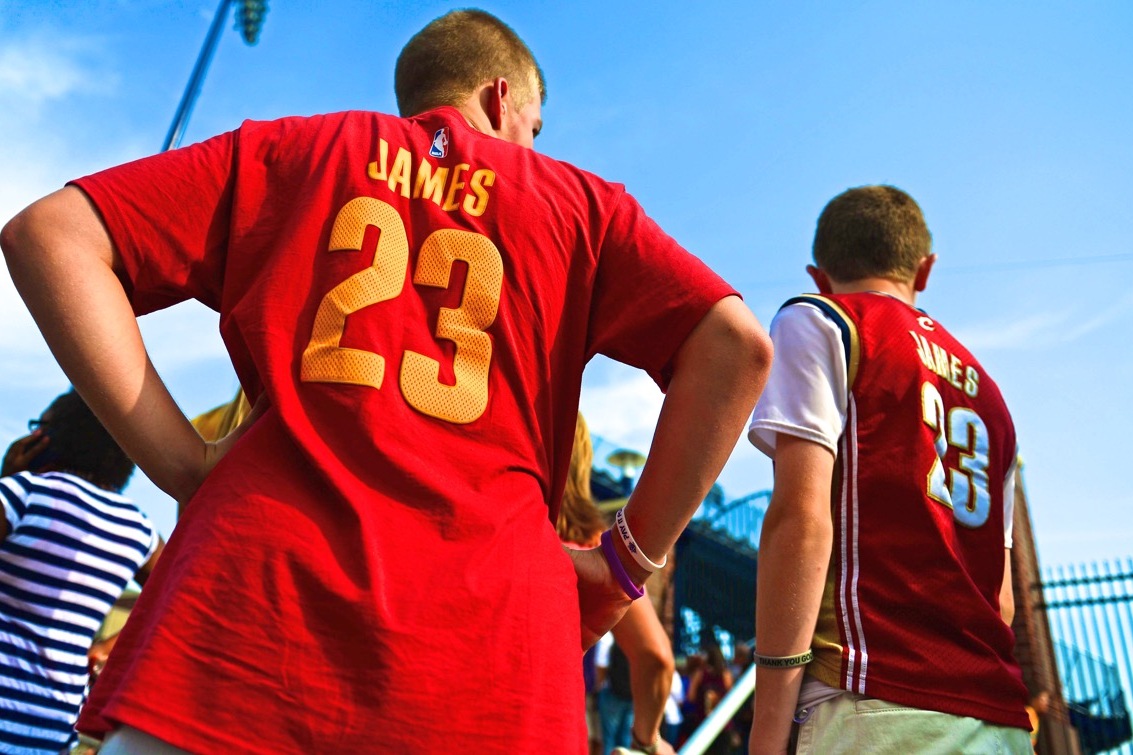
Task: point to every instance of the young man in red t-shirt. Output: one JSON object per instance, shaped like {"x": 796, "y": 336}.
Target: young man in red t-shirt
{"x": 409, "y": 303}
{"x": 882, "y": 564}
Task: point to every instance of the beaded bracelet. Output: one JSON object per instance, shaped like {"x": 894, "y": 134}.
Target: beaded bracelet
{"x": 783, "y": 661}
{"x": 620, "y": 574}
{"x": 632, "y": 546}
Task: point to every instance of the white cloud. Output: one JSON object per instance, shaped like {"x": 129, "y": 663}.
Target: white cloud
{"x": 1043, "y": 329}
{"x": 621, "y": 404}
{"x": 1020, "y": 333}
{"x": 45, "y": 67}
{"x": 51, "y": 86}
{"x": 183, "y": 335}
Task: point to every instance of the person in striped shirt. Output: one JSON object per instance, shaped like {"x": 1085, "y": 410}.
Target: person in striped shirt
{"x": 69, "y": 545}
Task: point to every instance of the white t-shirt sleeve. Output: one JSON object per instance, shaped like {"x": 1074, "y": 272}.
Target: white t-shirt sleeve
{"x": 806, "y": 393}
{"x": 1009, "y": 503}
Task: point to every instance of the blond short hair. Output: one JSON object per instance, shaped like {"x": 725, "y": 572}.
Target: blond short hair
{"x": 871, "y": 232}
{"x": 453, "y": 55}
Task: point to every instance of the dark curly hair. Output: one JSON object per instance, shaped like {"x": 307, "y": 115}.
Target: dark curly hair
{"x": 81, "y": 446}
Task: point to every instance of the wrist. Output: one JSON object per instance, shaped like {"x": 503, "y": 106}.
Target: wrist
{"x": 632, "y": 567}
{"x": 632, "y": 588}
{"x": 621, "y": 527}
{"x": 783, "y": 661}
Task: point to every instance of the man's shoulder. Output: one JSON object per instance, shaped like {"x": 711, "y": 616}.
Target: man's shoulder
{"x": 447, "y": 116}
{"x": 870, "y": 312}
{"x": 300, "y": 124}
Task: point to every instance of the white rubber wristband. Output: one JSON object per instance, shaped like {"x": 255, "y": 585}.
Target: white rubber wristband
{"x": 632, "y": 546}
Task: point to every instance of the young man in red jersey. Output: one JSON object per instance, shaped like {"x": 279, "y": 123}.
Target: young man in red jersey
{"x": 884, "y": 597}
{"x": 410, "y": 303}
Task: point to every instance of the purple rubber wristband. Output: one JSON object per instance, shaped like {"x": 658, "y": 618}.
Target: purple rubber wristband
{"x": 633, "y": 591}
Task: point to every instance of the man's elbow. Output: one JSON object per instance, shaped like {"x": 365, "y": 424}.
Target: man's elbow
{"x": 731, "y": 338}
{"x": 740, "y": 327}
{"x": 56, "y": 230}
{"x": 755, "y": 344}
{"x": 762, "y": 354}
{"x": 19, "y": 235}
{"x": 11, "y": 235}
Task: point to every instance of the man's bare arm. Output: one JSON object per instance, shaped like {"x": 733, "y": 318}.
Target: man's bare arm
{"x": 65, "y": 267}
{"x": 794, "y": 554}
{"x": 718, "y": 374}
{"x": 1006, "y": 591}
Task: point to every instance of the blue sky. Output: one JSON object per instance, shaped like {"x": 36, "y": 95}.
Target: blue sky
{"x": 733, "y": 124}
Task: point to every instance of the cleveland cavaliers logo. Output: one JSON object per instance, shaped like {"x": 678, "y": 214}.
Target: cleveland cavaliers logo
{"x": 440, "y": 143}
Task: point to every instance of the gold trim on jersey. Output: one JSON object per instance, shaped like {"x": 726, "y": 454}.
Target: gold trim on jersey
{"x": 850, "y": 341}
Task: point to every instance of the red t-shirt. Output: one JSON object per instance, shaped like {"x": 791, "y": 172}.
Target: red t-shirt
{"x": 374, "y": 565}
{"x": 911, "y": 610}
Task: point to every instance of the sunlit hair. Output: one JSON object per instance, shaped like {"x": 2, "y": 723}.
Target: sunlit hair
{"x": 453, "y": 55}
{"x": 871, "y": 232}
{"x": 580, "y": 521}
{"x": 79, "y": 444}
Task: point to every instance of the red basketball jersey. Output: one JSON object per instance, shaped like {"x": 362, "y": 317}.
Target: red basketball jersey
{"x": 374, "y": 564}
{"x": 911, "y": 609}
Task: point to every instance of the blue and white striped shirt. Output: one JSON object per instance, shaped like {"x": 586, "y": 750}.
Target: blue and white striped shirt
{"x": 70, "y": 552}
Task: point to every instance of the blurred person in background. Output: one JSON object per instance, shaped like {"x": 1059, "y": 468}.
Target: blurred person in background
{"x": 640, "y": 702}
{"x": 69, "y": 545}
{"x": 706, "y": 688}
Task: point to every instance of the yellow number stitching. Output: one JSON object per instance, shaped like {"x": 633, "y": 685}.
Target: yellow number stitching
{"x": 467, "y": 399}
{"x": 324, "y": 361}
{"x": 932, "y": 413}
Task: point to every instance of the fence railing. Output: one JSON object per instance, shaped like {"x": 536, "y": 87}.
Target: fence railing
{"x": 1090, "y": 610}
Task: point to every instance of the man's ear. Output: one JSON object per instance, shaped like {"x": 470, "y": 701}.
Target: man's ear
{"x": 495, "y": 104}
{"x": 923, "y": 270}
{"x": 820, "y": 279}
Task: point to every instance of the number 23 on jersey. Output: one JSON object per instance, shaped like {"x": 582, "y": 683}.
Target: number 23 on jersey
{"x": 326, "y": 361}
{"x": 965, "y": 488}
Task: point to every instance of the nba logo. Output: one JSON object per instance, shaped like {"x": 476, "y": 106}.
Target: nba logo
{"x": 440, "y": 143}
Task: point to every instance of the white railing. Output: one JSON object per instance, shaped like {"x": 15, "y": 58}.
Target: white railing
{"x": 707, "y": 732}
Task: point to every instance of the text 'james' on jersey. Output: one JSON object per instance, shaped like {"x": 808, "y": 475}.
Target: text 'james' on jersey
{"x": 948, "y": 366}
{"x": 456, "y": 188}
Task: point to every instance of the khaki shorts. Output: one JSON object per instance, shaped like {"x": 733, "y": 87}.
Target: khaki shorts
{"x": 854, "y": 724}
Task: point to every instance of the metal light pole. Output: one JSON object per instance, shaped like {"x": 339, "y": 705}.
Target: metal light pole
{"x": 250, "y": 17}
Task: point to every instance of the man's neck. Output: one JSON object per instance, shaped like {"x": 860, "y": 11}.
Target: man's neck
{"x": 901, "y": 290}
{"x": 475, "y": 117}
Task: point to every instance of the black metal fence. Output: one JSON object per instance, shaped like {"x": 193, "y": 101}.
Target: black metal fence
{"x": 716, "y": 568}
{"x": 1090, "y": 609}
